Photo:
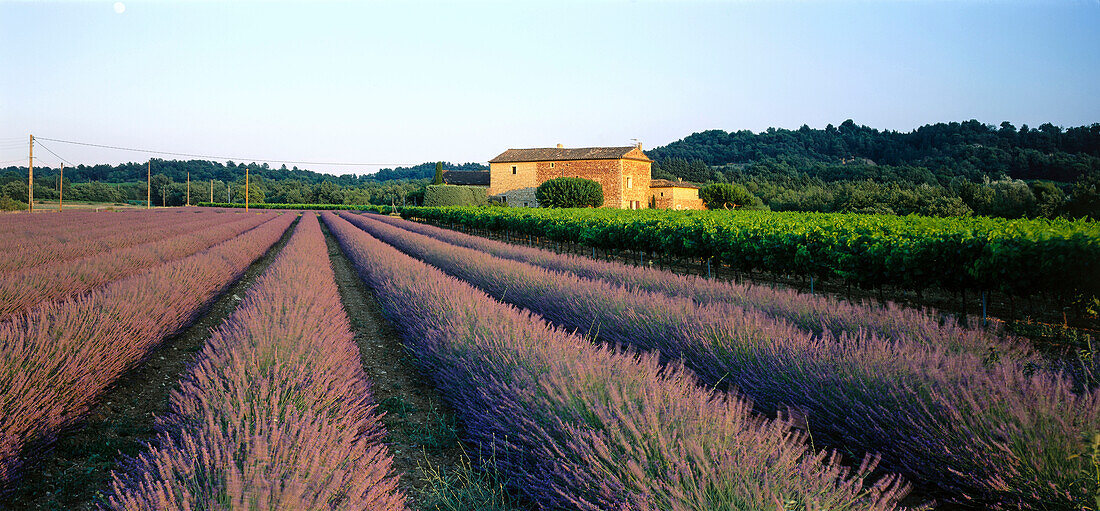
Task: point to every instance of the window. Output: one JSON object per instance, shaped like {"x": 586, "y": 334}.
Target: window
{"x": 551, "y": 164}
{"x": 513, "y": 169}
{"x": 525, "y": 204}
{"x": 662, "y": 194}
{"x": 629, "y": 182}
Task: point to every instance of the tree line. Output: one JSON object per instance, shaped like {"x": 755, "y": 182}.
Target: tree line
{"x": 126, "y": 183}
{"x": 941, "y": 169}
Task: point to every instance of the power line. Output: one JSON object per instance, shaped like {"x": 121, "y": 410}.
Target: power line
{"x": 53, "y": 153}
{"x": 210, "y": 157}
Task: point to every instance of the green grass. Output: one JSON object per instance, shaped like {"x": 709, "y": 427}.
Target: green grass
{"x": 465, "y": 488}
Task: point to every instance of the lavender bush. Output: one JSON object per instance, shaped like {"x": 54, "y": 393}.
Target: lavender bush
{"x": 20, "y": 290}
{"x": 577, "y": 426}
{"x": 277, "y": 412}
{"x": 56, "y": 359}
{"x": 972, "y": 430}
{"x": 76, "y": 237}
{"x": 41, "y": 228}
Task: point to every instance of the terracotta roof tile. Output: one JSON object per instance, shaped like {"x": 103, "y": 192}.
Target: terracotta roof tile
{"x": 562, "y": 154}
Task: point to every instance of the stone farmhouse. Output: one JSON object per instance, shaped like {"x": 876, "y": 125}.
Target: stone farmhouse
{"x": 623, "y": 172}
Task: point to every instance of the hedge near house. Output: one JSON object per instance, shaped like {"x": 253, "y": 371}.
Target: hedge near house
{"x": 569, "y": 192}
{"x": 454, "y": 195}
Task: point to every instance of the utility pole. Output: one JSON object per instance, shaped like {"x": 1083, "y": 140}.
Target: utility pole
{"x": 246, "y": 188}
{"x": 211, "y": 191}
{"x": 61, "y": 187}
{"x": 188, "y": 188}
{"x": 228, "y": 192}
{"x": 149, "y": 186}
{"x": 30, "y": 179}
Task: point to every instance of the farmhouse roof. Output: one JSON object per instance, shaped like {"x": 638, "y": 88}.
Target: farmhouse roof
{"x": 664, "y": 183}
{"x": 466, "y": 177}
{"x": 561, "y": 154}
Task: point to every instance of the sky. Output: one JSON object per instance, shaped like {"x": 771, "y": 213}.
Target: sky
{"x": 384, "y": 83}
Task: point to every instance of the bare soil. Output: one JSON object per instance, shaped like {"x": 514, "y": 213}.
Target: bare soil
{"x": 74, "y": 473}
{"x": 421, "y": 429}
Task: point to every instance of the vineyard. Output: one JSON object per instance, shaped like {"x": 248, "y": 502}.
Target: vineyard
{"x": 1059, "y": 258}
{"x": 573, "y": 382}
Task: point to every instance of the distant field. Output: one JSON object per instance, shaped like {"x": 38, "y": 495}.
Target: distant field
{"x": 41, "y": 206}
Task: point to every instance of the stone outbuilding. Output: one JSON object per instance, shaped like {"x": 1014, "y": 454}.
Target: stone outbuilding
{"x": 674, "y": 195}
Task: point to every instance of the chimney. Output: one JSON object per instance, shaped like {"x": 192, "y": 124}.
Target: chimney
{"x": 560, "y": 146}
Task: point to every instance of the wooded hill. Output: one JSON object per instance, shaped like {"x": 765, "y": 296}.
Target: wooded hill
{"x": 940, "y": 169}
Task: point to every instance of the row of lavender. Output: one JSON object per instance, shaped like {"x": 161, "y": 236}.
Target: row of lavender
{"x": 276, "y": 412}
{"x": 77, "y": 235}
{"x": 975, "y": 430}
{"x": 574, "y": 425}
{"x": 23, "y": 289}
{"x": 815, "y": 314}
{"x": 56, "y": 358}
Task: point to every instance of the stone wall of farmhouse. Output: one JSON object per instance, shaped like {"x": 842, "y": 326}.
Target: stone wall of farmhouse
{"x": 501, "y": 178}
{"x": 618, "y": 191}
{"x": 522, "y": 197}
{"x": 604, "y": 172}
{"x": 636, "y": 188}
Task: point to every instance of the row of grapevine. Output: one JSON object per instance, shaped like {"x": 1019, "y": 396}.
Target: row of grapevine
{"x": 1019, "y": 257}
{"x": 56, "y": 359}
{"x": 977, "y": 430}
{"x": 276, "y": 413}
{"x": 78, "y": 241}
{"x": 20, "y": 290}
{"x": 320, "y": 207}
{"x": 573, "y": 425}
{"x": 815, "y": 314}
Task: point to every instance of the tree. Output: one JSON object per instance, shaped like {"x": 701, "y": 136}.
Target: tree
{"x": 569, "y": 192}
{"x": 728, "y": 196}
{"x": 1050, "y": 200}
{"x": 1086, "y": 197}
{"x": 438, "y": 179}
{"x": 15, "y": 190}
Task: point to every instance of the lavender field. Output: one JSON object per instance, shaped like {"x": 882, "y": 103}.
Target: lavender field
{"x": 567, "y": 382}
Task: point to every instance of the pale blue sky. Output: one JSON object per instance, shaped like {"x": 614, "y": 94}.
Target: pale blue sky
{"x": 390, "y": 82}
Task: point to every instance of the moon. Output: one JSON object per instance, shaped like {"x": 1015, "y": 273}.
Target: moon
{"x": 120, "y": 7}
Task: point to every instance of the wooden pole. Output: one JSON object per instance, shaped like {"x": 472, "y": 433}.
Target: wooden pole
{"x": 30, "y": 179}
{"x": 149, "y": 186}
{"x": 61, "y": 187}
{"x": 211, "y": 191}
{"x": 188, "y": 188}
{"x": 246, "y": 188}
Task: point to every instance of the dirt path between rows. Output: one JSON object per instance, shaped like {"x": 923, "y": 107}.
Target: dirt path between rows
{"x": 74, "y": 474}
{"x": 421, "y": 430}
